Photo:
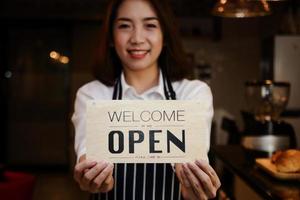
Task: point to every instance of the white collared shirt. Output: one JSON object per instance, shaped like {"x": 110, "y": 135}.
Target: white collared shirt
{"x": 95, "y": 90}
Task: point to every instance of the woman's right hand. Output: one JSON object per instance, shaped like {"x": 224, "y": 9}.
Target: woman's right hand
{"x": 94, "y": 176}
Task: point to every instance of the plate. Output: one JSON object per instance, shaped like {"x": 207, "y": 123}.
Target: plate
{"x": 269, "y": 167}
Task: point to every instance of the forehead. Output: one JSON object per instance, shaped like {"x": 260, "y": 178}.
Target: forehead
{"x": 136, "y": 9}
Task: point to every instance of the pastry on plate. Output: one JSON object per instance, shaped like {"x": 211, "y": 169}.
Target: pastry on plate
{"x": 287, "y": 161}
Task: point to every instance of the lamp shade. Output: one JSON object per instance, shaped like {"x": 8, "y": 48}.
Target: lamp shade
{"x": 241, "y": 8}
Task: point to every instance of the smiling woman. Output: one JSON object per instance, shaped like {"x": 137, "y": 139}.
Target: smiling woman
{"x": 159, "y": 21}
{"x": 138, "y": 38}
{"x": 141, "y": 57}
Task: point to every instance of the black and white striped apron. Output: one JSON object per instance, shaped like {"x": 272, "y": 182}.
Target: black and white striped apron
{"x": 143, "y": 181}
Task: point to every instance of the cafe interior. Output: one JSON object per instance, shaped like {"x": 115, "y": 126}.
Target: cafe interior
{"x": 247, "y": 51}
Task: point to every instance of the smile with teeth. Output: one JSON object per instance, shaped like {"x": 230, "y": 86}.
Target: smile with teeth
{"x": 138, "y": 53}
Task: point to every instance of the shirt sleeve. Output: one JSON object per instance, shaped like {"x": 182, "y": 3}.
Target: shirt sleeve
{"x": 78, "y": 120}
{"x": 90, "y": 91}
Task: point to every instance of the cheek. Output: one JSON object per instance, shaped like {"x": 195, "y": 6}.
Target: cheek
{"x": 120, "y": 48}
{"x": 157, "y": 44}
{"x": 157, "y": 40}
{"x": 119, "y": 40}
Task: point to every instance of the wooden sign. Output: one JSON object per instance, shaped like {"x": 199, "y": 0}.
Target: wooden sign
{"x": 135, "y": 131}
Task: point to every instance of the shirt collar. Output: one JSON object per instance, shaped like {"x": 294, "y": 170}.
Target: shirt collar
{"x": 159, "y": 89}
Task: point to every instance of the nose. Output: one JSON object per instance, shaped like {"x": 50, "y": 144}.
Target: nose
{"x": 137, "y": 36}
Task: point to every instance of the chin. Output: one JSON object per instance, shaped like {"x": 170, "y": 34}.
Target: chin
{"x": 138, "y": 67}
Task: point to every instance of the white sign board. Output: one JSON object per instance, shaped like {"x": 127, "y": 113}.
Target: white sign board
{"x": 135, "y": 131}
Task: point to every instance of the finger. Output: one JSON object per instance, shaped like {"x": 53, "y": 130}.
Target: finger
{"x": 109, "y": 177}
{"x": 210, "y": 171}
{"x": 178, "y": 171}
{"x": 206, "y": 167}
{"x": 83, "y": 188}
{"x": 99, "y": 180}
{"x": 81, "y": 167}
{"x": 205, "y": 180}
{"x": 181, "y": 176}
{"x": 93, "y": 173}
{"x": 194, "y": 182}
{"x": 185, "y": 181}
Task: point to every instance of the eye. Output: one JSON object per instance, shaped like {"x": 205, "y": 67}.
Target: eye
{"x": 151, "y": 25}
{"x": 123, "y": 26}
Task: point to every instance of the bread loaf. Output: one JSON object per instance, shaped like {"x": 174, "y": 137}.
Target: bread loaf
{"x": 287, "y": 161}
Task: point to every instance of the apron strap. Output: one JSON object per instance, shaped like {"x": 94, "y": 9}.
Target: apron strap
{"x": 168, "y": 88}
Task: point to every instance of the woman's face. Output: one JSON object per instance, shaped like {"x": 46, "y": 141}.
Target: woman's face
{"x": 138, "y": 38}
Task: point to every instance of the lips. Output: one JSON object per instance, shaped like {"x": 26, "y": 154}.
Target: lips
{"x": 137, "y": 53}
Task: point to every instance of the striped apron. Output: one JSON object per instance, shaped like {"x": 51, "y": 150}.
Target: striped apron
{"x": 143, "y": 181}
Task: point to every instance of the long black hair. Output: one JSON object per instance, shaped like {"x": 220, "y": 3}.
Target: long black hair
{"x": 172, "y": 59}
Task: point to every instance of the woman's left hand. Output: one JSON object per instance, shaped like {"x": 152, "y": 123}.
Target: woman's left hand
{"x": 198, "y": 178}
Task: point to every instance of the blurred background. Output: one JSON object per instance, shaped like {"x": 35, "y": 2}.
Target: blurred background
{"x": 47, "y": 50}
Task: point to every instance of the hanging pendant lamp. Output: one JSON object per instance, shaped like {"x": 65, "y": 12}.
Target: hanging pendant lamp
{"x": 241, "y": 8}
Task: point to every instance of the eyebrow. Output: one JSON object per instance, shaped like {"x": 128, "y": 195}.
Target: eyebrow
{"x": 144, "y": 19}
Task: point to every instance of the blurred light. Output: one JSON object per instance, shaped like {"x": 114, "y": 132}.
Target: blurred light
{"x": 64, "y": 59}
{"x": 270, "y": 0}
{"x": 266, "y": 5}
{"x": 8, "y": 74}
{"x": 269, "y": 82}
{"x": 221, "y": 9}
{"x": 241, "y": 8}
{"x": 240, "y": 15}
{"x": 54, "y": 55}
{"x": 59, "y": 57}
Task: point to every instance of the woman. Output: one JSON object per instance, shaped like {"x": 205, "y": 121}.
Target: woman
{"x": 141, "y": 58}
